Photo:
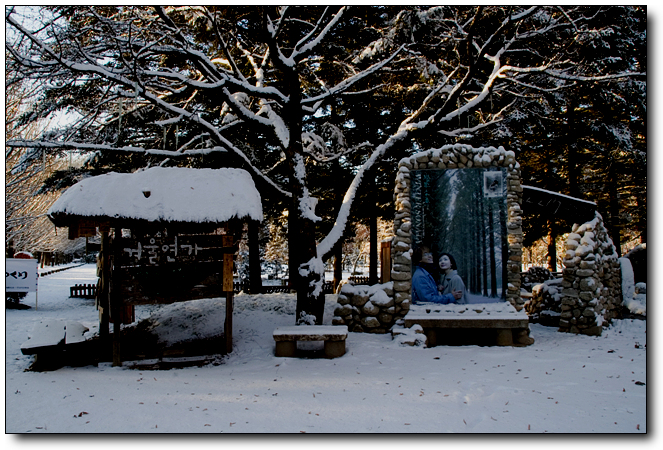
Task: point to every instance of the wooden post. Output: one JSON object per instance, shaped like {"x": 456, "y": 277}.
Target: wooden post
{"x": 228, "y": 259}
{"x": 103, "y": 294}
{"x": 385, "y": 262}
{"x": 115, "y": 297}
{"x": 373, "y": 247}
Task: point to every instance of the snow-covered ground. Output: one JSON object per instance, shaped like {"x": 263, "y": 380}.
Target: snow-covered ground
{"x": 563, "y": 383}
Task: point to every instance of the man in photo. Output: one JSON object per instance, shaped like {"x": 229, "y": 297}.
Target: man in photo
{"x": 424, "y": 287}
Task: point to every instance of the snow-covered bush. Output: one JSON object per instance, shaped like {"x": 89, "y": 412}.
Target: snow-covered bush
{"x": 634, "y": 295}
{"x": 638, "y": 304}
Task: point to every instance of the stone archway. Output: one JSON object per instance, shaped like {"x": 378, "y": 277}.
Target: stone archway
{"x": 591, "y": 292}
{"x": 375, "y": 309}
{"x": 455, "y": 156}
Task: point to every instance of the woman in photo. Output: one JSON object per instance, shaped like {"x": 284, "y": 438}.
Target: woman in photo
{"x": 451, "y": 281}
{"x": 424, "y": 288}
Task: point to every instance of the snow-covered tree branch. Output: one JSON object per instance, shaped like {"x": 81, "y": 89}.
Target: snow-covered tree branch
{"x": 283, "y": 91}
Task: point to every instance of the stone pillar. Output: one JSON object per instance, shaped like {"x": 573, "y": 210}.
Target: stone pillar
{"x": 591, "y": 288}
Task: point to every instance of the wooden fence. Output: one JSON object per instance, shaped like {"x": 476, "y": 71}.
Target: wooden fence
{"x": 90, "y": 290}
{"x": 83, "y": 291}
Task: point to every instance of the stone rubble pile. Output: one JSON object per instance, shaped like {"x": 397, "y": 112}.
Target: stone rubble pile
{"x": 408, "y": 337}
{"x": 545, "y": 305}
{"x": 534, "y": 276}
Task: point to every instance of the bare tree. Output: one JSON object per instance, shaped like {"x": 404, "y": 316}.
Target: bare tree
{"x": 26, "y": 226}
{"x": 227, "y": 74}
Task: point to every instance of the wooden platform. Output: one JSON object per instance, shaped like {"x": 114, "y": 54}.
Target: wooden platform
{"x": 478, "y": 324}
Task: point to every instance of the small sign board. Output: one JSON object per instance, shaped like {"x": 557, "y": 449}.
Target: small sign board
{"x": 21, "y": 275}
{"x": 159, "y": 268}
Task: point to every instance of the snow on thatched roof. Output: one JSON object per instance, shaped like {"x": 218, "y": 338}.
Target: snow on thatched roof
{"x": 168, "y": 194}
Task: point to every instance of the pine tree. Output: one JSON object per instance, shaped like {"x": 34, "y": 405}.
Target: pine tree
{"x": 255, "y": 87}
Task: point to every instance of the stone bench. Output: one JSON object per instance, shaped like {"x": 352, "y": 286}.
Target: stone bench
{"x": 334, "y": 336}
{"x": 482, "y": 324}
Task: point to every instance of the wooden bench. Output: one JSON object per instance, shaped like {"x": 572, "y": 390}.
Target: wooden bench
{"x": 49, "y": 339}
{"x": 478, "y": 324}
{"x": 334, "y": 336}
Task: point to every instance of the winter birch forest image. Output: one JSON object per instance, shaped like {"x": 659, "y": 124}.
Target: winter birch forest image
{"x": 389, "y": 192}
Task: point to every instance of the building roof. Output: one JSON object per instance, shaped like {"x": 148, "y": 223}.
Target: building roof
{"x": 161, "y": 194}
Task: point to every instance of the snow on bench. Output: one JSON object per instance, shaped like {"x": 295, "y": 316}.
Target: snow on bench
{"x": 334, "y": 336}
{"x": 75, "y": 333}
{"x": 501, "y": 316}
{"x": 50, "y": 334}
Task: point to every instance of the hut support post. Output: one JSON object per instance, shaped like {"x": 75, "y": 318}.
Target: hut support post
{"x": 115, "y": 298}
{"x": 103, "y": 295}
{"x": 228, "y": 260}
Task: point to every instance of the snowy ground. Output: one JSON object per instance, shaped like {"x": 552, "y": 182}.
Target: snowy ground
{"x": 562, "y": 383}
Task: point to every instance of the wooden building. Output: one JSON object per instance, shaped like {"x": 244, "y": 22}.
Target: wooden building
{"x": 167, "y": 235}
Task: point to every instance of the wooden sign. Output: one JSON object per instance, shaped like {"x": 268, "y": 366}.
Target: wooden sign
{"x": 158, "y": 269}
{"x": 21, "y": 275}
{"x": 554, "y": 204}
{"x": 160, "y": 250}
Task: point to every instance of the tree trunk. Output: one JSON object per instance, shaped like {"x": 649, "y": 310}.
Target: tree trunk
{"x": 574, "y": 167}
{"x": 373, "y": 251}
{"x": 484, "y": 229}
{"x": 255, "y": 278}
{"x": 338, "y": 264}
{"x": 505, "y": 249}
{"x": 305, "y": 279}
{"x": 614, "y": 208}
{"x": 552, "y": 247}
{"x": 305, "y": 271}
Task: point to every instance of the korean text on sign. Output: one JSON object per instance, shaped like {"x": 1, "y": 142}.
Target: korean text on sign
{"x": 21, "y": 275}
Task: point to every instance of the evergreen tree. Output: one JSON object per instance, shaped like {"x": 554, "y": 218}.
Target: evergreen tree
{"x": 286, "y": 92}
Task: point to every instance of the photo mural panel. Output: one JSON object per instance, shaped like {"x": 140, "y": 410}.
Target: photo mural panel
{"x": 464, "y": 212}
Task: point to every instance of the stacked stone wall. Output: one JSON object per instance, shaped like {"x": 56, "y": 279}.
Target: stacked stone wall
{"x": 591, "y": 280}
{"x": 368, "y": 309}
